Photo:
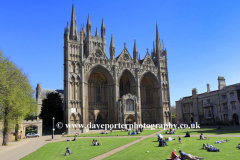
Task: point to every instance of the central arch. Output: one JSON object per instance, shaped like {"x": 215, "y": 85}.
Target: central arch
{"x": 98, "y": 85}
{"x": 126, "y": 83}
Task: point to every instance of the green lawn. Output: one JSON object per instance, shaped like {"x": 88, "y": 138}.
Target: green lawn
{"x": 81, "y": 149}
{"x": 119, "y": 133}
{"x": 189, "y": 145}
{"x": 205, "y": 131}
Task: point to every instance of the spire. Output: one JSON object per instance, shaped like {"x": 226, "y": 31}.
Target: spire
{"x": 157, "y": 34}
{"x": 158, "y": 45}
{"x": 153, "y": 47}
{"x": 112, "y": 42}
{"x": 135, "y": 47}
{"x": 112, "y": 49}
{"x": 88, "y": 21}
{"x": 103, "y": 25}
{"x": 96, "y": 34}
{"x": 103, "y": 30}
{"x": 139, "y": 57}
{"x": 89, "y": 27}
{"x": 84, "y": 33}
{"x": 73, "y": 29}
{"x": 162, "y": 45}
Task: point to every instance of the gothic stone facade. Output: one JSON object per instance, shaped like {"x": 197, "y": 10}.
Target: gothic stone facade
{"x": 211, "y": 106}
{"x": 116, "y": 90}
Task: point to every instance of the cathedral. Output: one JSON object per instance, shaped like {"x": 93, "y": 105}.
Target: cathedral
{"x": 123, "y": 89}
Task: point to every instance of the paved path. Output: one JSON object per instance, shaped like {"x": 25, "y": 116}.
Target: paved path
{"x": 17, "y": 150}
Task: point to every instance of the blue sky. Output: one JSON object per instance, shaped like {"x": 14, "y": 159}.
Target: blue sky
{"x": 202, "y": 37}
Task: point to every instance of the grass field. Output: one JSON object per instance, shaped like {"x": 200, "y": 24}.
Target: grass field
{"x": 189, "y": 145}
{"x": 119, "y": 133}
{"x": 204, "y": 131}
{"x": 81, "y": 149}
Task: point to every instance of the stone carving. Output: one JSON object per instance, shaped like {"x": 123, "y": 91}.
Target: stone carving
{"x": 98, "y": 54}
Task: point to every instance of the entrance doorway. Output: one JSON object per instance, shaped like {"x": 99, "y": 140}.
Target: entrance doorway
{"x": 130, "y": 119}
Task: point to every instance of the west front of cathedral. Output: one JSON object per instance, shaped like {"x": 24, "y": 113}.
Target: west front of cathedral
{"x": 122, "y": 89}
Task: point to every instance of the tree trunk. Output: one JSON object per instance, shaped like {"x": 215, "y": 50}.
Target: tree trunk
{"x": 5, "y": 127}
{"x": 16, "y": 132}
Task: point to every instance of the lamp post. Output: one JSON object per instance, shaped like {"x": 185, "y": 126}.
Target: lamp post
{"x": 53, "y": 128}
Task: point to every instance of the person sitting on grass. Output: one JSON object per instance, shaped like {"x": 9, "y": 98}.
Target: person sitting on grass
{"x": 174, "y": 156}
{"x": 179, "y": 139}
{"x": 93, "y": 142}
{"x": 68, "y": 152}
{"x": 68, "y": 138}
{"x": 187, "y": 134}
{"x": 133, "y": 132}
{"x": 222, "y": 141}
{"x": 129, "y": 133}
{"x": 96, "y": 143}
{"x": 162, "y": 143}
{"x": 166, "y": 132}
{"x": 210, "y": 148}
{"x": 74, "y": 139}
{"x": 202, "y": 138}
{"x": 169, "y": 139}
{"x": 238, "y": 146}
{"x": 188, "y": 156}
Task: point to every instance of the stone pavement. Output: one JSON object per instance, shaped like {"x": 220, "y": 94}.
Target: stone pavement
{"x": 17, "y": 150}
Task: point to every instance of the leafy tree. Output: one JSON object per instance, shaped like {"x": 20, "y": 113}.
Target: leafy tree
{"x": 51, "y": 107}
{"x": 174, "y": 111}
{"x": 16, "y": 100}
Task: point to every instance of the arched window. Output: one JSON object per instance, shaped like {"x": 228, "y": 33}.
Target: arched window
{"x": 98, "y": 92}
{"x": 129, "y": 105}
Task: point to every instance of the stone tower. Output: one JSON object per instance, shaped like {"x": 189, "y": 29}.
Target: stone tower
{"x": 120, "y": 89}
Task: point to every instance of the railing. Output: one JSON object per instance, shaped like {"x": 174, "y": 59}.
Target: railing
{"x": 98, "y": 105}
{"x": 208, "y": 104}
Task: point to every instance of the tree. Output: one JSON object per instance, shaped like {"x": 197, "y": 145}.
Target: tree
{"x": 51, "y": 107}
{"x": 174, "y": 111}
{"x": 16, "y": 98}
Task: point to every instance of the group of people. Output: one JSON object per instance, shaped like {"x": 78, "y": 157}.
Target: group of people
{"x": 104, "y": 132}
{"x": 172, "y": 131}
{"x": 95, "y": 143}
{"x": 74, "y": 138}
{"x": 134, "y": 132}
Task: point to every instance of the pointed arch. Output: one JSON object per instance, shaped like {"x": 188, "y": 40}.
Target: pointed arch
{"x": 72, "y": 119}
{"x": 102, "y": 70}
{"x": 151, "y": 76}
{"x": 129, "y": 75}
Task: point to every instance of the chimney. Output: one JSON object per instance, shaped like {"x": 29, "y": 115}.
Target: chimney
{"x": 221, "y": 83}
{"x": 208, "y": 88}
